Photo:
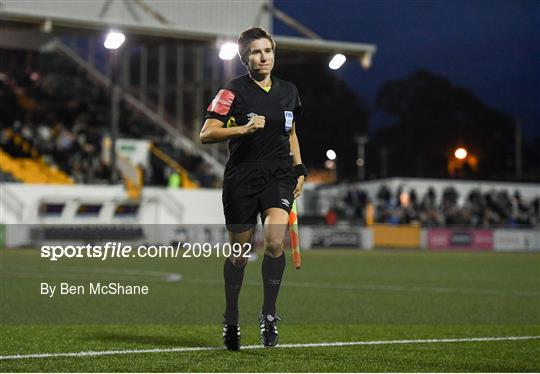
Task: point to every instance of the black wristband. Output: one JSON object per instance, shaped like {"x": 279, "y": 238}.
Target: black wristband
{"x": 300, "y": 169}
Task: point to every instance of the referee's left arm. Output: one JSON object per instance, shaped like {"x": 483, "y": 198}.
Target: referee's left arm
{"x": 297, "y": 159}
{"x": 295, "y": 146}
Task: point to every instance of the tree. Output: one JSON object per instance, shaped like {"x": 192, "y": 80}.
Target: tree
{"x": 431, "y": 117}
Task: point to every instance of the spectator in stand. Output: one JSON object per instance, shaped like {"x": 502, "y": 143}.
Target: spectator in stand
{"x": 37, "y": 102}
{"x": 331, "y": 217}
{"x": 492, "y": 209}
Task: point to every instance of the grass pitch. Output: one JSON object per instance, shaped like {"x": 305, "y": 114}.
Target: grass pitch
{"x": 338, "y": 296}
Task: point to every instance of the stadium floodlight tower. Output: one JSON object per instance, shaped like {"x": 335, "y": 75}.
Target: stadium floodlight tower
{"x": 113, "y": 41}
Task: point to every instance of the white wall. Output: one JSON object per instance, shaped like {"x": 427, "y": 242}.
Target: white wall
{"x": 19, "y": 204}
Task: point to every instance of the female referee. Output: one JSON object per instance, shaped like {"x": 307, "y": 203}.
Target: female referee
{"x": 256, "y": 112}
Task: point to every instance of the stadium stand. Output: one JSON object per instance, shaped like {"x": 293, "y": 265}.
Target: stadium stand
{"x": 495, "y": 208}
{"x": 492, "y": 207}
{"x": 56, "y": 118}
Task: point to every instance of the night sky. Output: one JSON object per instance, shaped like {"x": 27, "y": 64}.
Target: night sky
{"x": 491, "y": 47}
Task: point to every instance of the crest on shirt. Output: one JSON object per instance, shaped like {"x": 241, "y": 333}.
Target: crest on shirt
{"x": 289, "y": 118}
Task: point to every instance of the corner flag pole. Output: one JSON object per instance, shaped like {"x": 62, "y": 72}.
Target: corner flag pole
{"x": 293, "y": 232}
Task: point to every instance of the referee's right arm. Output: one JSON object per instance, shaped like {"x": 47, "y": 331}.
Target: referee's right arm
{"x": 213, "y": 130}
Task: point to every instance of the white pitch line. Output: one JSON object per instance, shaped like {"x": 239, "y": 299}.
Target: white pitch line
{"x": 84, "y": 273}
{"x": 303, "y": 345}
{"x": 93, "y": 270}
{"x": 376, "y": 287}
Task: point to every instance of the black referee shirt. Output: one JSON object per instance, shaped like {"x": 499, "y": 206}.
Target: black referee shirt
{"x": 242, "y": 98}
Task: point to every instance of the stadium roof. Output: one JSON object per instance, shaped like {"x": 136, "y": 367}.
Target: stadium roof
{"x": 324, "y": 46}
{"x": 168, "y": 26}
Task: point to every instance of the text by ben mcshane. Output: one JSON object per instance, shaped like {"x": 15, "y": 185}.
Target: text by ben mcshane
{"x": 92, "y": 288}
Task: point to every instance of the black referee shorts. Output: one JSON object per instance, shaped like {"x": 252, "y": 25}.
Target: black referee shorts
{"x": 251, "y": 188}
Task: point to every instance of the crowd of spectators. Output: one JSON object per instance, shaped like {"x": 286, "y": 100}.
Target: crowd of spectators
{"x": 493, "y": 208}
{"x": 64, "y": 116}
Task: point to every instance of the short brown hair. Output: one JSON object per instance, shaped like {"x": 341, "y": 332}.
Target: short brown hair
{"x": 249, "y": 35}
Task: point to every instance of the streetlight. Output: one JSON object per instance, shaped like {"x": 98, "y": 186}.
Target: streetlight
{"x": 113, "y": 41}
{"x": 462, "y": 157}
{"x": 361, "y": 153}
{"x": 460, "y": 153}
{"x": 331, "y": 162}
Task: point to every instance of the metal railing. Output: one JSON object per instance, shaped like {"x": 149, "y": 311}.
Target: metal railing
{"x": 181, "y": 139}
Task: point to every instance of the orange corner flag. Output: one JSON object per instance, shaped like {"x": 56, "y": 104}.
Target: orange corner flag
{"x": 293, "y": 232}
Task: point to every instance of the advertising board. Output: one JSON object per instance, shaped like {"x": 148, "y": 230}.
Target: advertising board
{"x": 462, "y": 238}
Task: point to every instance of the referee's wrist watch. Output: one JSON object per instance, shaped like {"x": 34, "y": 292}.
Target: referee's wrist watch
{"x": 300, "y": 169}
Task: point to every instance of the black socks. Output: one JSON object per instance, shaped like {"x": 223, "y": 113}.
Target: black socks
{"x": 233, "y": 283}
{"x": 272, "y": 272}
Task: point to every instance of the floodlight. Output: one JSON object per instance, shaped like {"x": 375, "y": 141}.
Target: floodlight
{"x": 114, "y": 40}
{"x": 337, "y": 61}
{"x": 228, "y": 51}
{"x": 331, "y": 154}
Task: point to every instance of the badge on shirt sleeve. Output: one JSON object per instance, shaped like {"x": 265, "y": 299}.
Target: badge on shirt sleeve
{"x": 289, "y": 118}
{"x": 222, "y": 102}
